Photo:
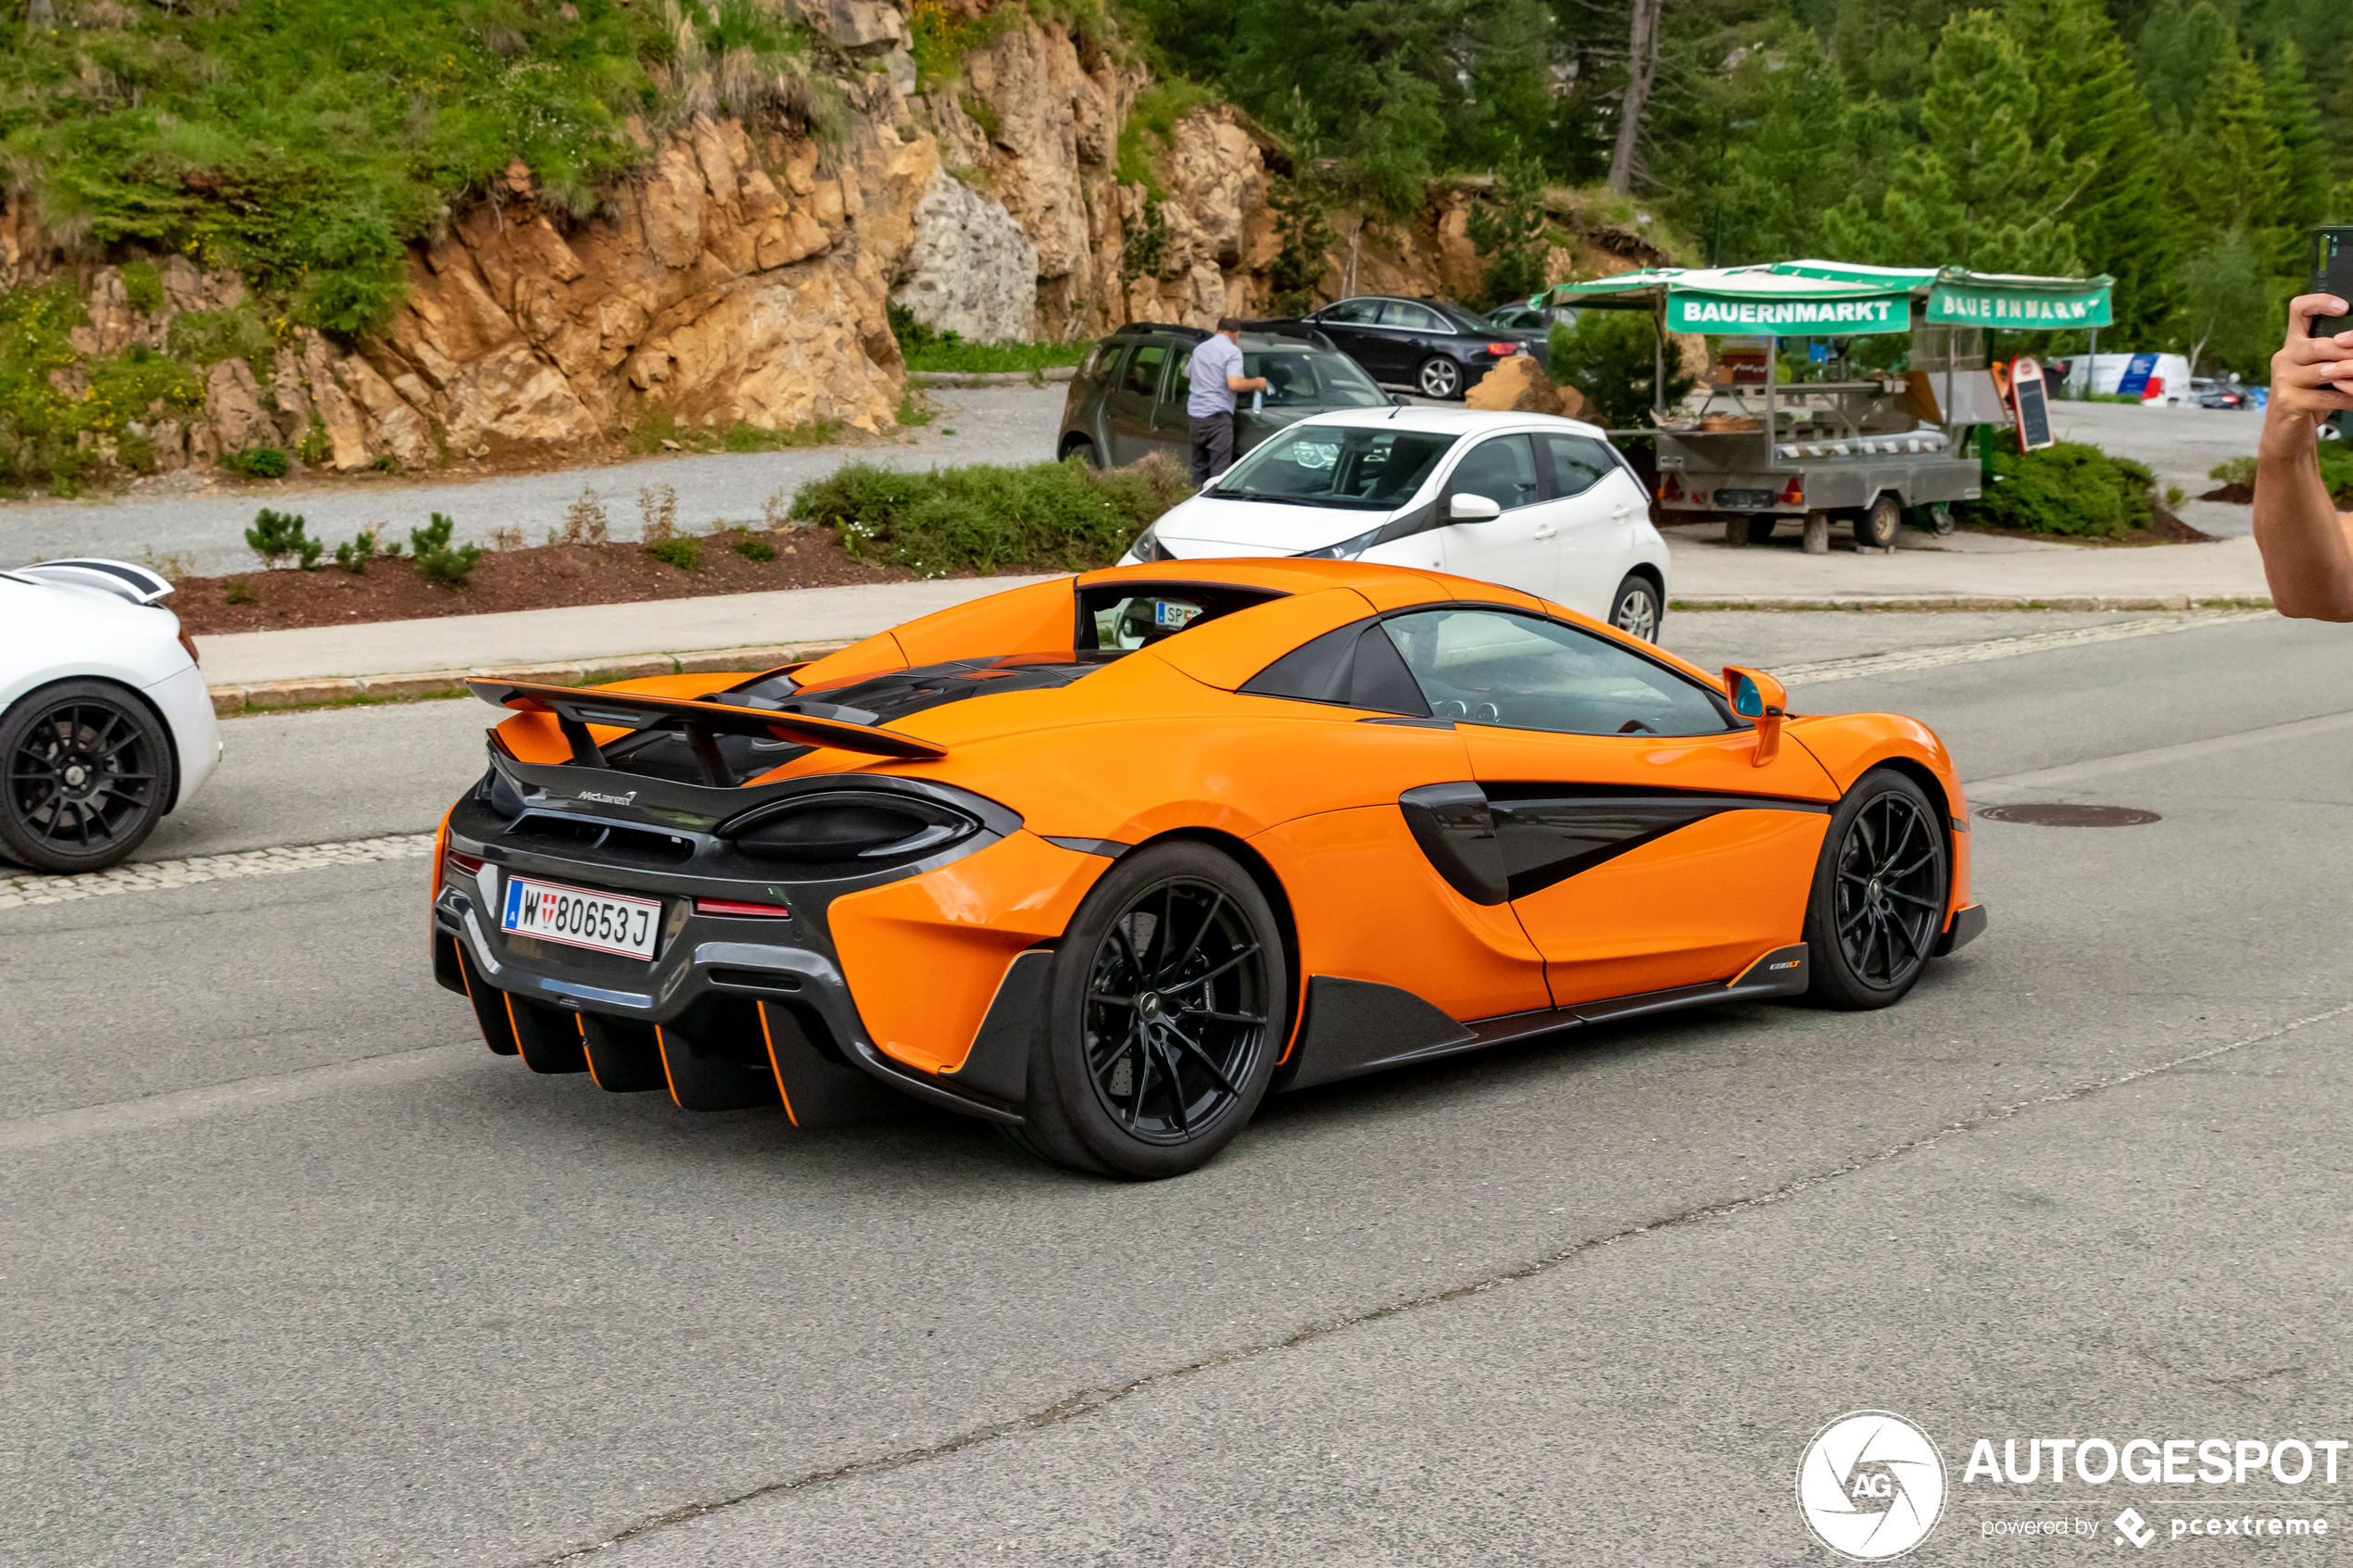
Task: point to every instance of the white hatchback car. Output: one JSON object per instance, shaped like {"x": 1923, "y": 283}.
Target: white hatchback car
{"x": 105, "y": 723}
{"x": 1543, "y": 504}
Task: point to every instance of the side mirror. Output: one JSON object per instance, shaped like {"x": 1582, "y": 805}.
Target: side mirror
{"x": 1757, "y": 695}
{"x": 1473, "y": 509}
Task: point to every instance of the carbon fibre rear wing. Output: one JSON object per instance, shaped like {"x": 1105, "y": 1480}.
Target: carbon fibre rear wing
{"x": 576, "y": 707}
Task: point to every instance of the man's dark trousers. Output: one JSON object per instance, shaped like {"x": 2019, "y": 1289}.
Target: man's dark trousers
{"x": 1212, "y": 445}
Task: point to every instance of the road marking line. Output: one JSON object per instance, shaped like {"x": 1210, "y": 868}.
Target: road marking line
{"x": 2006, "y": 648}
{"x": 150, "y": 877}
{"x": 2075, "y": 772}
{"x": 278, "y": 1088}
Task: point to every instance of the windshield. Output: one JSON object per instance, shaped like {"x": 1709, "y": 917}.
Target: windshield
{"x": 1296, "y": 379}
{"x": 1370, "y": 468}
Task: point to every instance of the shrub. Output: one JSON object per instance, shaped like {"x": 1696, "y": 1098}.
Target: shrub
{"x": 984, "y": 517}
{"x": 680, "y": 552}
{"x": 2071, "y": 489}
{"x": 354, "y": 554}
{"x": 509, "y": 538}
{"x": 236, "y": 591}
{"x": 2337, "y": 471}
{"x": 2233, "y": 471}
{"x": 255, "y": 462}
{"x": 1611, "y": 356}
{"x": 752, "y": 547}
{"x": 436, "y": 562}
{"x": 276, "y": 535}
{"x": 316, "y": 448}
{"x": 584, "y": 521}
{"x": 657, "y": 513}
{"x": 143, "y": 285}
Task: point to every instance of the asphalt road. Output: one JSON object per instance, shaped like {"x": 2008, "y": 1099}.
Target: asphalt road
{"x": 295, "y": 1271}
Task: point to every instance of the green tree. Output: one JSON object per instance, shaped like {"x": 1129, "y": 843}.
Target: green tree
{"x": 2225, "y": 316}
{"x": 2182, "y": 49}
{"x": 1792, "y": 142}
{"x": 1295, "y": 280}
{"x": 2305, "y": 193}
{"x": 1612, "y": 357}
{"x": 1977, "y": 190}
{"x": 1508, "y": 231}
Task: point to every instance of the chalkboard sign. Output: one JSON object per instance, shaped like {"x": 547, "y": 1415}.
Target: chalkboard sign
{"x": 2031, "y": 405}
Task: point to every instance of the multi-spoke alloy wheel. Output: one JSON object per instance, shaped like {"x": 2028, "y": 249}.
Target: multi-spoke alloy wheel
{"x": 1439, "y": 378}
{"x": 1169, "y": 1007}
{"x": 1878, "y": 893}
{"x": 1636, "y": 609}
{"x": 1176, "y": 1011}
{"x": 88, "y": 775}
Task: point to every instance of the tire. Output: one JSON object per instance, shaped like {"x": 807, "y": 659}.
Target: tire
{"x": 1879, "y": 892}
{"x": 1082, "y": 447}
{"x": 1877, "y": 529}
{"x": 1439, "y": 377}
{"x": 1116, "y": 1001}
{"x": 1760, "y": 529}
{"x": 1635, "y": 609}
{"x": 88, "y": 770}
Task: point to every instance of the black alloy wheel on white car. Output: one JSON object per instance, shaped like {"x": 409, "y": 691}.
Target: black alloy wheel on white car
{"x": 1439, "y": 378}
{"x": 89, "y": 775}
{"x": 1635, "y": 608}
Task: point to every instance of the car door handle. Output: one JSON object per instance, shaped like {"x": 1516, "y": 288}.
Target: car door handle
{"x": 1545, "y": 531}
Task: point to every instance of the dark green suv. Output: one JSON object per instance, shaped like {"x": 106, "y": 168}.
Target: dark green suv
{"x": 1129, "y": 397}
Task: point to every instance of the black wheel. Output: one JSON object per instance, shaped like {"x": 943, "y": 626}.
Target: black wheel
{"x": 1877, "y": 528}
{"x": 1635, "y": 609}
{"x": 89, "y": 776}
{"x": 1079, "y": 446}
{"x": 1760, "y": 529}
{"x": 1879, "y": 891}
{"x": 1439, "y": 378}
{"x": 1166, "y": 1015}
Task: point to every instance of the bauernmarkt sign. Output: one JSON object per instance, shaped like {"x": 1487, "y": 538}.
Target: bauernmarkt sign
{"x": 1689, "y": 310}
{"x": 1959, "y": 304}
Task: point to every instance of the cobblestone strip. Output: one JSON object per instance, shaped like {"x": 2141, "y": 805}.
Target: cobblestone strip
{"x": 150, "y": 877}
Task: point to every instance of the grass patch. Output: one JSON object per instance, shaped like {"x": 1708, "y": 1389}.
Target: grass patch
{"x": 960, "y": 357}
{"x": 1151, "y": 130}
{"x": 2071, "y": 489}
{"x": 255, "y": 462}
{"x": 42, "y": 417}
{"x": 984, "y": 517}
{"x": 306, "y": 141}
{"x": 940, "y": 36}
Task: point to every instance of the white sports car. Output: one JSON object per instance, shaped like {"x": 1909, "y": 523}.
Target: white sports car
{"x": 105, "y": 722}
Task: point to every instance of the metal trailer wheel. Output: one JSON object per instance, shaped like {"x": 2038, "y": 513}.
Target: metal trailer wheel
{"x": 1877, "y": 529}
{"x": 1439, "y": 378}
{"x": 89, "y": 773}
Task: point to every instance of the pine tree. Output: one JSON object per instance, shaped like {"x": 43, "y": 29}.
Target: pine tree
{"x": 2092, "y": 119}
{"x": 2182, "y": 49}
{"x": 2305, "y": 196}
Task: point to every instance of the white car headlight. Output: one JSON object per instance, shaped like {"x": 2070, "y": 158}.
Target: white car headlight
{"x": 1347, "y": 549}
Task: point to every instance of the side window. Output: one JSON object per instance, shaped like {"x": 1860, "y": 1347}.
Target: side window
{"x": 1492, "y": 667}
{"x": 1350, "y": 312}
{"x": 1142, "y": 375}
{"x": 1099, "y": 362}
{"x": 1180, "y": 385}
{"x": 1579, "y": 462}
{"x": 1503, "y": 469}
{"x": 1412, "y": 317}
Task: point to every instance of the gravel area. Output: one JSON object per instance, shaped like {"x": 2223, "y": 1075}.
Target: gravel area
{"x": 989, "y": 425}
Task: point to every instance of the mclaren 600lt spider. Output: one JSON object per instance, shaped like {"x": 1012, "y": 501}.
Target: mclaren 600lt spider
{"x": 1106, "y": 859}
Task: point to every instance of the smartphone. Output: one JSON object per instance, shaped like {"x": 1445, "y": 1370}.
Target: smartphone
{"x": 2333, "y": 273}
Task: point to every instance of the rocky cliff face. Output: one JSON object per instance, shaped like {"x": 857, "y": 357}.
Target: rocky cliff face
{"x": 744, "y": 275}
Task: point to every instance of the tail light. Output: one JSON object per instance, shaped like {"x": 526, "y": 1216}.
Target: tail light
{"x": 1794, "y": 493}
{"x": 730, "y": 907}
{"x": 1502, "y": 350}
{"x": 1670, "y": 488}
{"x": 190, "y": 644}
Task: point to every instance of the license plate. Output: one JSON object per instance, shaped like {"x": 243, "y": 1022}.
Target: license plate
{"x": 578, "y": 918}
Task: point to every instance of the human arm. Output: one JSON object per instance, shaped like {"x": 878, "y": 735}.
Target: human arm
{"x": 1245, "y": 383}
{"x": 2307, "y": 545}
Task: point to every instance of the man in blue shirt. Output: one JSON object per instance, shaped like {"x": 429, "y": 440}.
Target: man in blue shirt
{"x": 1209, "y": 410}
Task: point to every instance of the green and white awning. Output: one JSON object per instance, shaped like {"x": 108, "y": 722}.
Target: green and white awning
{"x": 1837, "y": 299}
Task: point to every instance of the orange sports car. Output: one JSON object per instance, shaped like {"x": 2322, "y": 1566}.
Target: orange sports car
{"x": 1106, "y": 859}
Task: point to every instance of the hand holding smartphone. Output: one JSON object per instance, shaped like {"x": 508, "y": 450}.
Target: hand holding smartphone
{"x": 2333, "y": 273}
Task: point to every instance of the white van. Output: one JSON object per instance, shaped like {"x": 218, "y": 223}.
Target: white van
{"x": 2162, "y": 379}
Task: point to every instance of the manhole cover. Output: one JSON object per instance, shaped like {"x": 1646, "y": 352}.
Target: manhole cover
{"x": 2054, "y": 814}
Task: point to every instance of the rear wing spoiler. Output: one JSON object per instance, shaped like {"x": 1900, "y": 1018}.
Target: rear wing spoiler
{"x": 576, "y": 707}
{"x": 139, "y": 584}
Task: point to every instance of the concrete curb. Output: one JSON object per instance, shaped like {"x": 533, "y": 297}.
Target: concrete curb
{"x": 269, "y": 696}
{"x": 1940, "y": 602}
{"x": 989, "y": 377}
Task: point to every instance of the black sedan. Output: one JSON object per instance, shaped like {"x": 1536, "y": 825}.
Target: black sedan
{"x": 1437, "y": 347}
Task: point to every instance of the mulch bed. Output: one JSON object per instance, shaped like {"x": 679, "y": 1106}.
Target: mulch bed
{"x": 538, "y": 578}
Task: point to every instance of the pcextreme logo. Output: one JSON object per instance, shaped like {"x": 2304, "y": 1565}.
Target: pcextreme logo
{"x": 1871, "y": 1486}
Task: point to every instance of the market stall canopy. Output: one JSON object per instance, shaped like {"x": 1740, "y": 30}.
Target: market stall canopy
{"x": 1838, "y": 298}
